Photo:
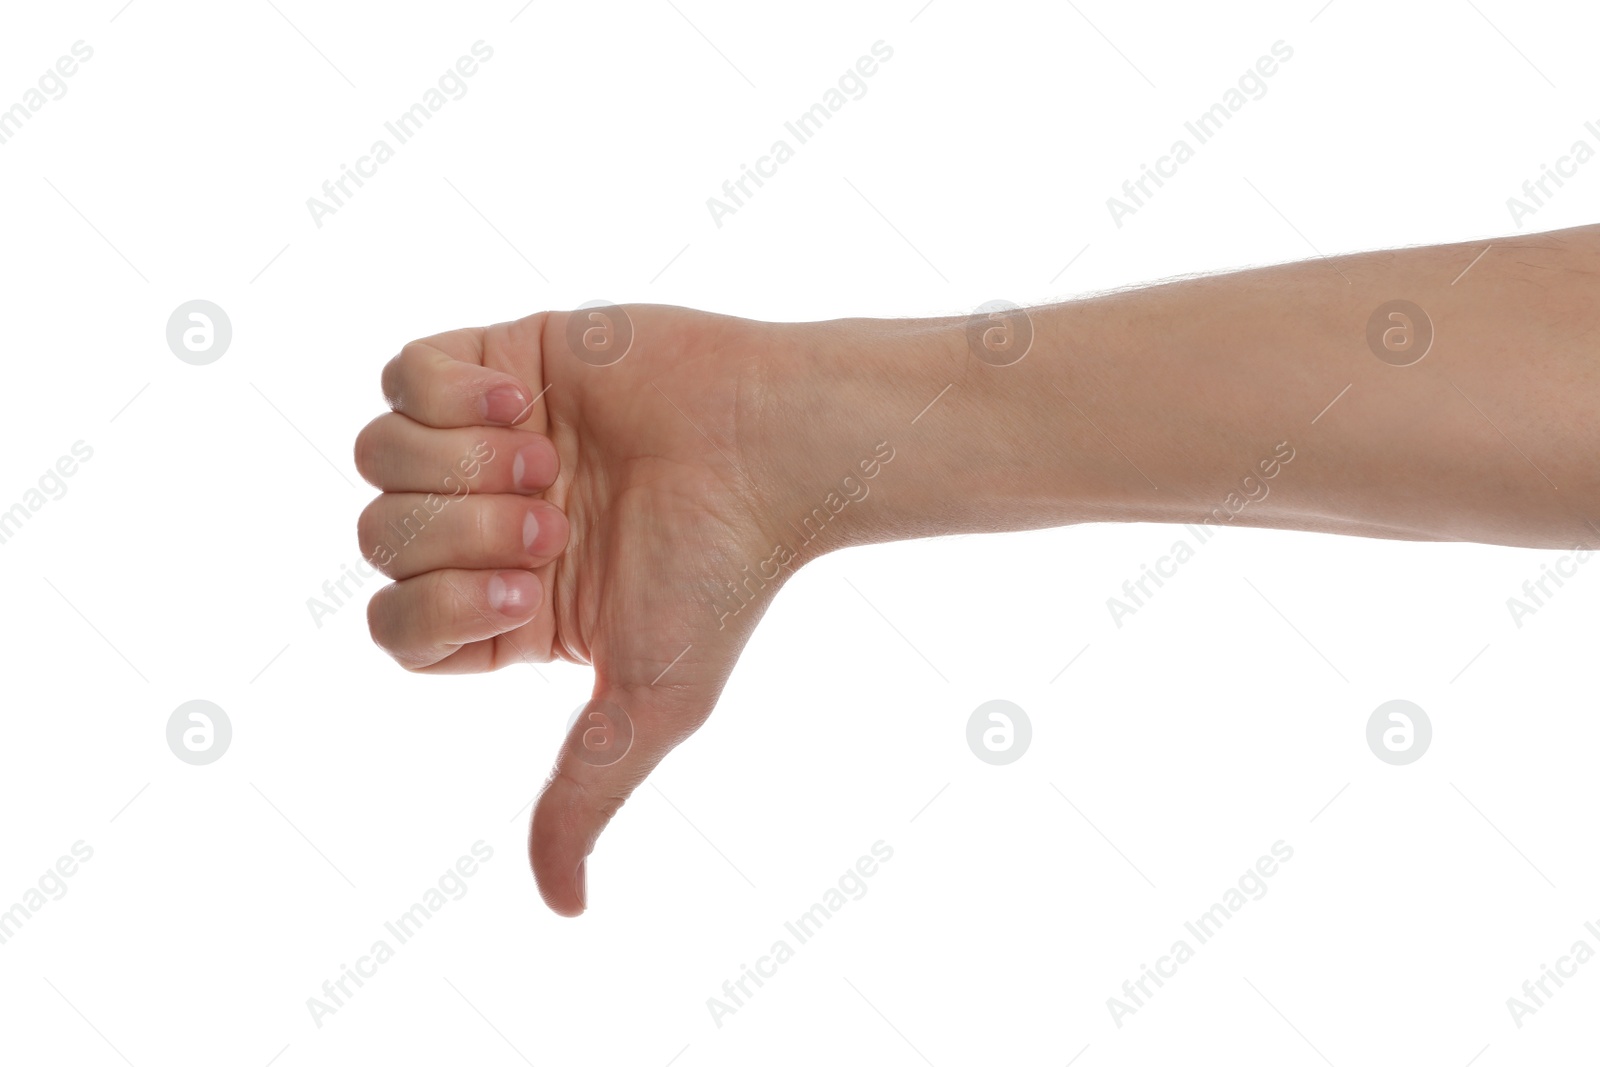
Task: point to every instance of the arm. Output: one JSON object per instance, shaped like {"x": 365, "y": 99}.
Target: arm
{"x": 628, "y": 488}
{"x": 1181, "y": 402}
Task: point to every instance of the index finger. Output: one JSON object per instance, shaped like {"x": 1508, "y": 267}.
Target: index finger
{"x": 441, "y": 382}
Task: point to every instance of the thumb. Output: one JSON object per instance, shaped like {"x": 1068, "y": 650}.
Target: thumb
{"x": 617, "y": 740}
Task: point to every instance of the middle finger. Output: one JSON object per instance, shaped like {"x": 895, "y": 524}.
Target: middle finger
{"x": 400, "y": 455}
{"x": 406, "y": 534}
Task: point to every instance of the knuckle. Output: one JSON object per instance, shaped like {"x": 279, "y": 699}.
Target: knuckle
{"x": 368, "y": 452}
{"x": 384, "y": 623}
{"x": 605, "y": 801}
{"x": 367, "y": 525}
{"x": 392, "y": 380}
{"x": 378, "y": 619}
{"x": 404, "y": 383}
{"x": 373, "y": 535}
{"x": 452, "y": 605}
{"x": 483, "y": 530}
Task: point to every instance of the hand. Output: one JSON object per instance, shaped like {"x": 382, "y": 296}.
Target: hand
{"x": 673, "y": 490}
{"x": 610, "y": 511}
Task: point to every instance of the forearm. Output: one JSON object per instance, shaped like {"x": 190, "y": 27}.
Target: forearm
{"x": 1250, "y": 398}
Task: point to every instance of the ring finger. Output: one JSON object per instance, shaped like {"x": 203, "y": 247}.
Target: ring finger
{"x": 406, "y": 534}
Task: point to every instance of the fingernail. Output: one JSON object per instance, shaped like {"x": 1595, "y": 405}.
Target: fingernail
{"x": 513, "y": 593}
{"x": 580, "y": 882}
{"x": 525, "y": 467}
{"x": 530, "y": 530}
{"x": 502, "y": 404}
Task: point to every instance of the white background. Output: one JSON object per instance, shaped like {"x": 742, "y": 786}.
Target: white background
{"x": 1171, "y": 754}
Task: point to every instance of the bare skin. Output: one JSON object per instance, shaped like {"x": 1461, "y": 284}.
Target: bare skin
{"x": 673, "y": 491}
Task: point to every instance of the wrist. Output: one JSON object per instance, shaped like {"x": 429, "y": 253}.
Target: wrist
{"x": 892, "y": 429}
